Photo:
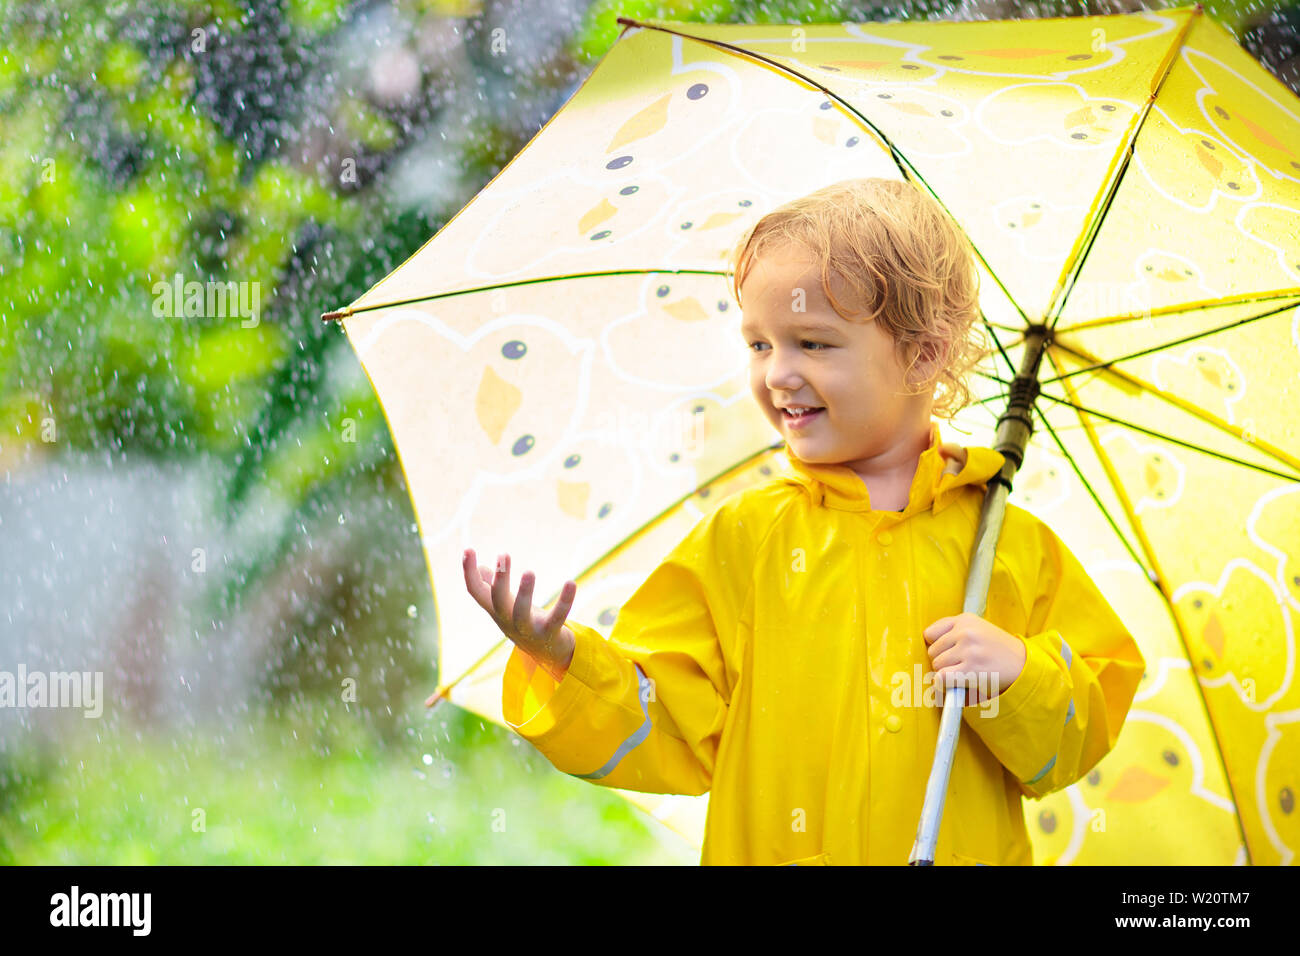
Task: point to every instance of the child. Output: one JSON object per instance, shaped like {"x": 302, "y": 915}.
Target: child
{"x": 776, "y": 657}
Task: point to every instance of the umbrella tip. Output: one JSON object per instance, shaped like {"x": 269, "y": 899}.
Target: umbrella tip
{"x": 439, "y": 694}
{"x": 331, "y": 316}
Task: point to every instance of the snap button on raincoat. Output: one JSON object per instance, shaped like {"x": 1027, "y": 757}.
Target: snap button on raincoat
{"x": 775, "y": 660}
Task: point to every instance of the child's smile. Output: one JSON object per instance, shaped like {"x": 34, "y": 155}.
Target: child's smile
{"x": 804, "y": 355}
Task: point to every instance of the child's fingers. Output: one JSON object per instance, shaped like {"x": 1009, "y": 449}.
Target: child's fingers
{"x": 501, "y": 588}
{"x": 474, "y": 582}
{"x": 949, "y": 660}
{"x": 522, "y": 616}
{"x": 560, "y": 613}
{"x": 941, "y": 644}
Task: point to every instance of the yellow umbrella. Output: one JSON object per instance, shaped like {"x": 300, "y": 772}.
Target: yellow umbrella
{"x": 562, "y": 370}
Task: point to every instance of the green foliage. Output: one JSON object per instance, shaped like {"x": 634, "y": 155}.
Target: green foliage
{"x": 313, "y": 785}
{"x": 600, "y": 27}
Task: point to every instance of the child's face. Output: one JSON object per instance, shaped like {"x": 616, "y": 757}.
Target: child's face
{"x": 816, "y": 357}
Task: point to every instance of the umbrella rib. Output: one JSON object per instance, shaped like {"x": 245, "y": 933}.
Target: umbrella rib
{"x": 1005, "y": 328}
{"x": 1159, "y": 580}
{"x": 1154, "y": 434}
{"x": 1010, "y": 364}
{"x": 349, "y": 311}
{"x": 894, "y": 152}
{"x": 1164, "y": 436}
{"x": 1074, "y": 266}
{"x": 1181, "y": 308}
{"x": 1000, "y": 396}
{"x": 1194, "y": 410}
{"x": 1128, "y": 545}
{"x": 1107, "y": 363}
{"x": 898, "y": 158}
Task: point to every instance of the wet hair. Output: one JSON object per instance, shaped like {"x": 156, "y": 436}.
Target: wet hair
{"x": 902, "y": 258}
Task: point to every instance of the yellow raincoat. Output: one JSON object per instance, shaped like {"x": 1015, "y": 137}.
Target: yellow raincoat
{"x": 775, "y": 660}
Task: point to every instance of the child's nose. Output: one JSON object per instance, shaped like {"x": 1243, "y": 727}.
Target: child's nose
{"x": 782, "y": 375}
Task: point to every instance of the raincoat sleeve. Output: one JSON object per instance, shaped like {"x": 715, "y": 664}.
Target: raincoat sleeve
{"x": 1082, "y": 669}
{"x": 644, "y": 710}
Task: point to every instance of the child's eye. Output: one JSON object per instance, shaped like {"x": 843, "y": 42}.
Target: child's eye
{"x": 820, "y": 345}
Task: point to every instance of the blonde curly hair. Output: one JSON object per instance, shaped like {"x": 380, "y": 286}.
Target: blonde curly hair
{"x": 902, "y": 257}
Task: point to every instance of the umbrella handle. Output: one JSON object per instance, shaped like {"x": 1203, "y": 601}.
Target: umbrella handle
{"x": 1014, "y": 428}
{"x": 936, "y": 788}
{"x": 977, "y": 590}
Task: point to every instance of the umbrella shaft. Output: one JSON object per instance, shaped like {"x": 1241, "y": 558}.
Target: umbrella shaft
{"x": 1014, "y": 428}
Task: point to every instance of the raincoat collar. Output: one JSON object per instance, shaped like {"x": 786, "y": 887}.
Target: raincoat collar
{"x": 941, "y": 469}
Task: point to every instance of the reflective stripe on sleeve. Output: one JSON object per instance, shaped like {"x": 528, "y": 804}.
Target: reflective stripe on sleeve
{"x": 1039, "y": 776}
{"x": 640, "y": 734}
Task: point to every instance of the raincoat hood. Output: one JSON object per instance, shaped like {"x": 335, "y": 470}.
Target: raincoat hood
{"x": 941, "y": 469}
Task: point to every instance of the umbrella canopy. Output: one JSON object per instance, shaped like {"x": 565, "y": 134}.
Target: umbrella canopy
{"x": 563, "y": 373}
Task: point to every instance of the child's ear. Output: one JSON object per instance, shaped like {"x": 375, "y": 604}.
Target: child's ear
{"x": 928, "y": 359}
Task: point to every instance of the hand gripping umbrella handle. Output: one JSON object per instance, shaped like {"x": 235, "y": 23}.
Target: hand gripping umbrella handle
{"x": 977, "y": 589}
{"x": 1014, "y": 428}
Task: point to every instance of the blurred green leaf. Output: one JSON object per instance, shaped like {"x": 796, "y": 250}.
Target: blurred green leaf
{"x": 123, "y": 67}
